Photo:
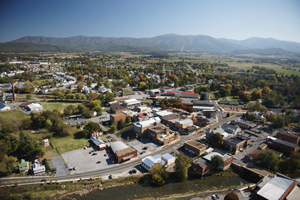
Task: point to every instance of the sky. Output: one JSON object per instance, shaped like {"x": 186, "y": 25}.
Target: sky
{"x": 231, "y": 19}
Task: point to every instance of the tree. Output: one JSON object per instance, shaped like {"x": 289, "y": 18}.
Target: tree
{"x": 91, "y": 126}
{"x": 228, "y": 114}
{"x": 86, "y": 112}
{"x": 47, "y": 166}
{"x": 265, "y": 90}
{"x": 158, "y": 174}
{"x": 80, "y": 78}
{"x": 216, "y": 161}
{"x": 182, "y": 164}
{"x": 256, "y": 95}
{"x": 128, "y": 119}
{"x": 10, "y": 163}
{"x": 269, "y": 160}
{"x": 61, "y": 95}
{"x": 28, "y": 96}
{"x": 79, "y": 88}
{"x": 244, "y": 87}
{"x": 231, "y": 196}
{"x": 217, "y": 140}
{"x": 113, "y": 128}
{"x": 134, "y": 118}
{"x": 121, "y": 124}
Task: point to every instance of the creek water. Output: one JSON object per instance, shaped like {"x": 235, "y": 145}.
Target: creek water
{"x": 138, "y": 191}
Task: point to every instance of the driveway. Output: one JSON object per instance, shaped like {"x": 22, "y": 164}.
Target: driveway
{"x": 61, "y": 168}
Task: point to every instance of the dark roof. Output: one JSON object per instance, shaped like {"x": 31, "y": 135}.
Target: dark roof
{"x": 209, "y": 103}
{"x": 170, "y": 117}
{"x": 118, "y": 107}
{"x": 195, "y": 144}
{"x": 234, "y": 140}
{"x": 286, "y": 143}
{"x": 254, "y": 154}
{"x": 201, "y": 162}
{"x": 288, "y": 134}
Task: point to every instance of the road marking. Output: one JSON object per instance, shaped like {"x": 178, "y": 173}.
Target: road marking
{"x": 25, "y": 180}
{"x": 12, "y": 181}
{"x": 5, "y": 181}
{"x": 19, "y": 180}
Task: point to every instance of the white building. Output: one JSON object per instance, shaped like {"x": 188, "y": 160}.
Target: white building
{"x": 150, "y": 161}
{"x": 131, "y": 102}
{"x": 38, "y": 169}
{"x": 46, "y": 141}
{"x": 35, "y": 107}
{"x": 4, "y": 107}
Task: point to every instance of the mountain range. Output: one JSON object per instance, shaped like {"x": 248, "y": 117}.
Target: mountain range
{"x": 163, "y": 43}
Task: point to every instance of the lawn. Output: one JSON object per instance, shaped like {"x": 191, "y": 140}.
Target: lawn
{"x": 56, "y": 105}
{"x": 13, "y": 115}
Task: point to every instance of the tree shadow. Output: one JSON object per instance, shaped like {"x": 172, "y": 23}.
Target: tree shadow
{"x": 79, "y": 135}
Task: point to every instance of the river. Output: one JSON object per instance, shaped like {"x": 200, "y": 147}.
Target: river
{"x": 138, "y": 191}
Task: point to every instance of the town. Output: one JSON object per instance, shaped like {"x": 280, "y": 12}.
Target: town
{"x": 113, "y": 115}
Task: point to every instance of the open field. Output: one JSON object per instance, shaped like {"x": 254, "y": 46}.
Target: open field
{"x": 13, "y": 115}
{"x": 56, "y": 105}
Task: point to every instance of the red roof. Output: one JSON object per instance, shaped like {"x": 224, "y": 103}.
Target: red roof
{"x": 95, "y": 132}
{"x": 142, "y": 114}
{"x": 187, "y": 93}
{"x": 25, "y": 104}
{"x": 171, "y": 93}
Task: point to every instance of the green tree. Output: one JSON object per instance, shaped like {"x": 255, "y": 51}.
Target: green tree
{"x": 269, "y": 160}
{"x": 79, "y": 88}
{"x": 216, "y": 161}
{"x": 158, "y": 174}
{"x": 61, "y": 95}
{"x": 113, "y": 128}
{"x": 128, "y": 119}
{"x": 10, "y": 163}
{"x": 134, "y": 118}
{"x": 91, "y": 126}
{"x": 228, "y": 114}
{"x": 28, "y": 96}
{"x": 231, "y": 196}
{"x": 182, "y": 164}
{"x": 217, "y": 140}
{"x": 121, "y": 124}
{"x": 47, "y": 166}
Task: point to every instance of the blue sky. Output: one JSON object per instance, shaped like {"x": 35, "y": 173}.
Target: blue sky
{"x": 148, "y": 18}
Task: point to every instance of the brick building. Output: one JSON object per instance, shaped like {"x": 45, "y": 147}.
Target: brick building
{"x": 204, "y": 165}
{"x": 122, "y": 151}
{"x": 140, "y": 128}
{"x": 160, "y": 134}
{"x": 113, "y": 103}
{"x": 182, "y": 124}
{"x": 242, "y": 123}
{"x": 168, "y": 118}
{"x": 237, "y": 143}
{"x": 117, "y": 117}
{"x": 118, "y": 109}
{"x": 194, "y": 147}
{"x": 281, "y": 145}
{"x": 288, "y": 137}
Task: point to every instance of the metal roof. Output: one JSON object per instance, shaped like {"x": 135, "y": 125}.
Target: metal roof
{"x": 2, "y": 105}
{"x": 167, "y": 156}
{"x": 116, "y": 146}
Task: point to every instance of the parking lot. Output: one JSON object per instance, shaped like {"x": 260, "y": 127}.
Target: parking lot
{"x": 84, "y": 161}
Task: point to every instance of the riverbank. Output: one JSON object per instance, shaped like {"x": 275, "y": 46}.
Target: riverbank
{"x": 131, "y": 187}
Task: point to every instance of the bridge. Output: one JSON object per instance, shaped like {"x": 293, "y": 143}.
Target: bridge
{"x": 251, "y": 168}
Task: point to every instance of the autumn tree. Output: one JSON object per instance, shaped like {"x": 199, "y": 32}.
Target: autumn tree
{"x": 256, "y": 95}
{"x": 80, "y": 78}
{"x": 79, "y": 88}
{"x": 265, "y": 90}
{"x": 158, "y": 174}
{"x": 231, "y": 196}
{"x": 244, "y": 87}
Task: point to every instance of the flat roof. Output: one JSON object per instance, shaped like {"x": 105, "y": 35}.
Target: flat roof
{"x": 170, "y": 117}
{"x": 185, "y": 121}
{"x": 255, "y": 152}
{"x": 118, "y": 107}
{"x": 195, "y": 144}
{"x": 118, "y": 115}
{"x": 125, "y": 151}
{"x": 202, "y": 162}
{"x": 289, "y": 135}
{"x": 116, "y": 146}
{"x": 147, "y": 122}
{"x": 234, "y": 140}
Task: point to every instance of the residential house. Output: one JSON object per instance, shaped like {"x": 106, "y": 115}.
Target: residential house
{"x": 23, "y": 166}
{"x": 4, "y": 107}
{"x": 38, "y": 169}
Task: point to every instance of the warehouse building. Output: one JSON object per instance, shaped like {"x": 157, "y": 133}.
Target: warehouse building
{"x": 122, "y": 151}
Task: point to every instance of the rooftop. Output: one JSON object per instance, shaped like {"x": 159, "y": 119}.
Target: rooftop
{"x": 116, "y": 146}
{"x": 254, "y": 154}
{"x": 286, "y": 143}
{"x": 201, "y": 162}
{"x": 125, "y": 151}
{"x": 170, "y": 117}
{"x": 118, "y": 115}
{"x": 118, "y": 107}
{"x": 185, "y": 121}
{"x": 195, "y": 144}
{"x": 147, "y": 122}
{"x": 288, "y": 134}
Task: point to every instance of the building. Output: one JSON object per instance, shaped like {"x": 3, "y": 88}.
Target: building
{"x": 122, "y": 151}
{"x": 203, "y": 103}
{"x": 189, "y": 95}
{"x": 204, "y": 165}
{"x": 242, "y": 123}
{"x": 150, "y": 161}
{"x": 288, "y": 137}
{"x": 140, "y": 128}
{"x": 160, "y": 134}
{"x": 23, "y": 166}
{"x": 115, "y": 118}
{"x": 143, "y": 109}
{"x": 201, "y": 121}
{"x": 274, "y": 187}
{"x": 205, "y": 96}
{"x": 281, "y": 145}
{"x": 132, "y": 102}
{"x": 4, "y": 107}
{"x": 237, "y": 143}
{"x": 95, "y": 133}
{"x": 294, "y": 194}
{"x": 118, "y": 109}
{"x": 195, "y": 148}
{"x": 253, "y": 155}
{"x": 113, "y": 103}
{"x": 34, "y": 107}
{"x": 182, "y": 124}
{"x": 46, "y": 141}
{"x": 98, "y": 143}
{"x": 166, "y": 119}
{"x": 38, "y": 169}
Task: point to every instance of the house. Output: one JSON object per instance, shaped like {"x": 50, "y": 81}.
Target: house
{"x": 94, "y": 113}
{"x": 95, "y": 133}
{"x": 38, "y": 169}
{"x": 46, "y": 141}
{"x": 274, "y": 187}
{"x": 4, "y": 107}
{"x": 122, "y": 151}
{"x": 288, "y": 137}
{"x": 113, "y": 103}
{"x": 242, "y": 123}
{"x": 195, "y": 148}
{"x": 23, "y": 166}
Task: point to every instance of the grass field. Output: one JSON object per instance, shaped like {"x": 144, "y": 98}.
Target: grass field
{"x": 13, "y": 115}
{"x": 56, "y": 105}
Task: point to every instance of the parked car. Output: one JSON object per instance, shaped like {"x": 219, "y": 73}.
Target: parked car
{"x": 217, "y": 196}
{"x": 144, "y": 148}
{"x": 105, "y": 155}
{"x": 98, "y": 162}
{"x": 213, "y": 197}
{"x": 91, "y": 152}
{"x": 94, "y": 154}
